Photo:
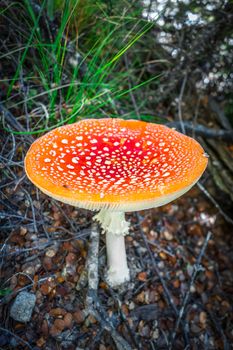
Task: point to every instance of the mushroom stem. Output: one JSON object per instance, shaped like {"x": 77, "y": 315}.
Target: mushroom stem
{"x": 118, "y": 271}
{"x": 116, "y": 227}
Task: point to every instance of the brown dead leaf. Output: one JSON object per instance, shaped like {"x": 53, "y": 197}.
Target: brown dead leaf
{"x": 59, "y": 324}
{"x": 140, "y": 298}
{"x": 45, "y": 328}
{"x": 68, "y": 318}
{"x": 142, "y": 276}
{"x": 40, "y": 342}
{"x": 79, "y": 316}
{"x": 54, "y": 331}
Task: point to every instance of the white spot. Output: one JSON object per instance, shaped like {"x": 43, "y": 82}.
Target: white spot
{"x": 137, "y": 144}
{"x": 75, "y": 160}
{"x": 55, "y": 145}
{"x": 105, "y": 139}
{"x": 149, "y": 143}
{"x": 52, "y": 152}
{"x": 70, "y": 166}
{"x": 79, "y": 138}
{"x": 65, "y": 141}
{"x": 166, "y": 149}
{"x": 106, "y": 149}
{"x": 47, "y": 160}
{"x": 59, "y": 168}
{"x": 161, "y": 144}
{"x": 166, "y": 174}
{"x": 93, "y": 141}
{"x": 116, "y": 143}
{"x": 107, "y": 162}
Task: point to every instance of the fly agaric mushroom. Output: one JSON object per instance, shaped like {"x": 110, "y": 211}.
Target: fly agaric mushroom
{"x": 115, "y": 166}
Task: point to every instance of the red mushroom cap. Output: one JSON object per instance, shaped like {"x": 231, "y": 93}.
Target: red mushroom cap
{"x": 121, "y": 165}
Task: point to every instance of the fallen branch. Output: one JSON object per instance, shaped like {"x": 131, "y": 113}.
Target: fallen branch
{"x": 16, "y": 337}
{"x": 201, "y": 130}
{"x": 220, "y": 113}
{"x": 217, "y": 206}
{"x": 196, "y": 268}
{"x": 93, "y": 306}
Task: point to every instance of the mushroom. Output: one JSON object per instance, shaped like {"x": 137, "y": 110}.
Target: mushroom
{"x": 115, "y": 166}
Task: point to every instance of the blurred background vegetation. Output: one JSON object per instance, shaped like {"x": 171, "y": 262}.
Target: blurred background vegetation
{"x": 159, "y": 61}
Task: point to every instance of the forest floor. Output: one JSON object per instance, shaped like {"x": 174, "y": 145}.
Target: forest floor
{"x": 180, "y": 296}
{"x": 181, "y": 289}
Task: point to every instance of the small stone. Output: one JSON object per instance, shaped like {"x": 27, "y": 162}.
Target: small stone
{"x": 22, "y": 308}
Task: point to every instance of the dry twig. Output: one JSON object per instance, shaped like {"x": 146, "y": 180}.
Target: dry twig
{"x": 93, "y": 305}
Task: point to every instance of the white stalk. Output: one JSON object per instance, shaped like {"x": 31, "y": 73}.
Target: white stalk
{"x": 116, "y": 227}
